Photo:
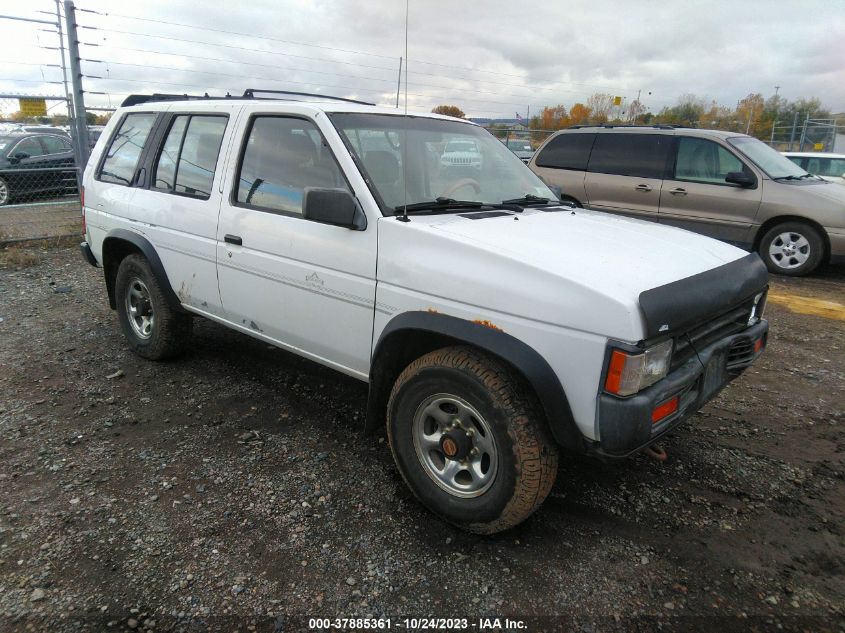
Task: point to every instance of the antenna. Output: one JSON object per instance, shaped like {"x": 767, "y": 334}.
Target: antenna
{"x": 404, "y": 217}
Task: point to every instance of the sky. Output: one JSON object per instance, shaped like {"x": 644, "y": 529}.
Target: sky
{"x": 490, "y": 58}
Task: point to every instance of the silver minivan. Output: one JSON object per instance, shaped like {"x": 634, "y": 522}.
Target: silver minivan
{"x": 722, "y": 184}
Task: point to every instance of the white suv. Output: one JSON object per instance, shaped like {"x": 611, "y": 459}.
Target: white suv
{"x": 494, "y": 325}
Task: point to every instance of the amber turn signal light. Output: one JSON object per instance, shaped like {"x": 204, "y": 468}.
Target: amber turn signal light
{"x": 664, "y": 409}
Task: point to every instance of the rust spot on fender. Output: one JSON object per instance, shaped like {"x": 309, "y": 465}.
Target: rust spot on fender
{"x": 489, "y": 324}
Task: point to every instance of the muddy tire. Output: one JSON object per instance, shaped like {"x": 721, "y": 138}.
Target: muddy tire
{"x": 153, "y": 329}
{"x": 792, "y": 248}
{"x": 470, "y": 439}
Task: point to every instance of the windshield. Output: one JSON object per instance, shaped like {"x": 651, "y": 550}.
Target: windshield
{"x": 445, "y": 159}
{"x": 775, "y": 164}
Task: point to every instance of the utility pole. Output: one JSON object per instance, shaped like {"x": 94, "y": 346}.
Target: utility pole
{"x": 80, "y": 122}
{"x": 399, "y": 82}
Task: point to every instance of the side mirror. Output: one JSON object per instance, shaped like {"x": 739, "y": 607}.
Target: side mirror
{"x": 740, "y": 178}
{"x": 337, "y": 207}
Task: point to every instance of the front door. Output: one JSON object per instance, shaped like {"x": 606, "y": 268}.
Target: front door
{"x": 307, "y": 286}
{"x": 697, "y": 197}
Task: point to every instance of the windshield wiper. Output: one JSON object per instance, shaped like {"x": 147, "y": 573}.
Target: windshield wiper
{"x": 790, "y": 177}
{"x": 439, "y": 204}
{"x": 527, "y": 199}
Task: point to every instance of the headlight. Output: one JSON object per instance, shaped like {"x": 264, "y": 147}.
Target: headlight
{"x": 757, "y": 309}
{"x": 629, "y": 372}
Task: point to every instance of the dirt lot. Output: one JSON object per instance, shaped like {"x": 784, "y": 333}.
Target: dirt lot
{"x": 231, "y": 489}
{"x": 40, "y": 219}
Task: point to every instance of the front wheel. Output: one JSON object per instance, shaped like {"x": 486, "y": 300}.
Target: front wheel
{"x": 470, "y": 440}
{"x": 792, "y": 248}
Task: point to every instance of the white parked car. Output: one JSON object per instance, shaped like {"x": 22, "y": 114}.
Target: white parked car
{"x": 828, "y": 166}
{"x": 461, "y": 154}
{"x": 494, "y": 325}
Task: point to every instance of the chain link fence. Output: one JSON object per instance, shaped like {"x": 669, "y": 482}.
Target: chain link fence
{"x": 39, "y": 196}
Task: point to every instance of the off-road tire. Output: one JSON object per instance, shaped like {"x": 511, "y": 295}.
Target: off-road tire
{"x": 171, "y": 329}
{"x": 816, "y": 246}
{"x": 528, "y": 456}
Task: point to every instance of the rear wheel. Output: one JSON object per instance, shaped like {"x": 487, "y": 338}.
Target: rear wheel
{"x": 470, "y": 439}
{"x": 152, "y": 327}
{"x": 792, "y": 248}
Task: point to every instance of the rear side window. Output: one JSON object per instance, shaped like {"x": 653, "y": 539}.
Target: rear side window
{"x": 701, "y": 160}
{"x": 122, "y": 156}
{"x": 55, "y": 145}
{"x": 189, "y": 155}
{"x": 626, "y": 154}
{"x": 567, "y": 151}
{"x": 282, "y": 157}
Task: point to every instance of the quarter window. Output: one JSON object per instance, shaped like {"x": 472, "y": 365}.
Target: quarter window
{"x": 122, "y": 157}
{"x": 567, "y": 151}
{"x": 282, "y": 157}
{"x": 188, "y": 157}
{"x": 630, "y": 154}
{"x": 701, "y": 160}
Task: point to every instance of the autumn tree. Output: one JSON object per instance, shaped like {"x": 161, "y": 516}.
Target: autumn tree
{"x": 579, "y": 114}
{"x": 449, "y": 110}
{"x": 551, "y": 118}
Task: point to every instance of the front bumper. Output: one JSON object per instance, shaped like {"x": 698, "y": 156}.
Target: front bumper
{"x": 625, "y": 424}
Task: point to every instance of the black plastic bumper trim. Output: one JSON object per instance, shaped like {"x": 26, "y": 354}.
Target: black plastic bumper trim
{"x": 88, "y": 254}
{"x": 625, "y": 425}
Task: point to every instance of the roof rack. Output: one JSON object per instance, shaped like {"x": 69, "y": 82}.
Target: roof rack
{"x": 658, "y": 126}
{"x": 249, "y": 93}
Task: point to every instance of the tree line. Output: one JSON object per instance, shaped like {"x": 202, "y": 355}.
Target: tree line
{"x": 754, "y": 115}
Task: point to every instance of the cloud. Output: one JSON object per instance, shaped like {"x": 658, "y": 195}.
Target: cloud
{"x": 490, "y": 58}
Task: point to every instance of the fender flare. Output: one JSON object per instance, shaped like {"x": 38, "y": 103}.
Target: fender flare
{"x": 452, "y": 330}
{"x": 146, "y": 248}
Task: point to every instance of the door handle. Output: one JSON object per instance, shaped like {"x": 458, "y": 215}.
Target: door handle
{"x": 233, "y": 239}
{"x": 642, "y": 188}
{"x": 678, "y": 191}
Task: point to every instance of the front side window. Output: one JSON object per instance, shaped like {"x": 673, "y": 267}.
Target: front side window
{"x": 701, "y": 160}
{"x": 29, "y": 146}
{"x": 188, "y": 157}
{"x": 121, "y": 159}
{"x": 282, "y": 157}
{"x": 55, "y": 145}
{"x": 630, "y": 154}
{"x": 567, "y": 151}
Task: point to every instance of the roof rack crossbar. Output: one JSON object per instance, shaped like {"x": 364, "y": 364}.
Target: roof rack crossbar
{"x": 249, "y": 93}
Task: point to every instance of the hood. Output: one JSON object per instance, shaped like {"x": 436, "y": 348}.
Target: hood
{"x": 575, "y": 268}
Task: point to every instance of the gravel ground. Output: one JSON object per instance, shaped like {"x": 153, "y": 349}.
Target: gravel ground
{"x": 231, "y": 490}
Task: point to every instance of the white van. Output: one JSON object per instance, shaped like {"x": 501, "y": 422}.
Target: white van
{"x": 494, "y": 325}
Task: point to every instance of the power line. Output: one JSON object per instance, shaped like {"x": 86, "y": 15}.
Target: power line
{"x": 342, "y": 50}
{"x": 250, "y": 35}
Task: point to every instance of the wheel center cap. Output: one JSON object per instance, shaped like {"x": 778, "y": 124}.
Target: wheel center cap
{"x": 455, "y": 445}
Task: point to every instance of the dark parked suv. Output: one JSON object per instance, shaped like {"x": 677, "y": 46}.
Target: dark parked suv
{"x": 35, "y": 163}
